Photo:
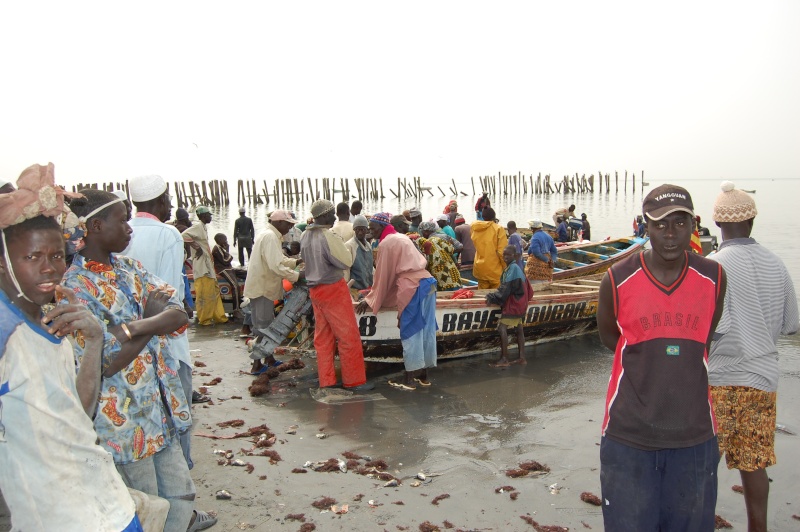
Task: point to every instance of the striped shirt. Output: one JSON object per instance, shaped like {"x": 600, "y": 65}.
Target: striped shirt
{"x": 760, "y": 305}
{"x": 53, "y": 475}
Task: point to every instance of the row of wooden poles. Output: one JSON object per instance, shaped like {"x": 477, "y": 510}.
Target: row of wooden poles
{"x": 215, "y": 192}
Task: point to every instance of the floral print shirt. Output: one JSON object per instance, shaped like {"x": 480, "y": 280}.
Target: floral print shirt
{"x": 439, "y": 254}
{"x": 141, "y": 406}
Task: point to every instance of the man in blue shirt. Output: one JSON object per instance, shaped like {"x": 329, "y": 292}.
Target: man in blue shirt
{"x": 542, "y": 255}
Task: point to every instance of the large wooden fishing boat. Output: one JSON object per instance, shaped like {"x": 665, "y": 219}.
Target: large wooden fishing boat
{"x": 468, "y": 327}
{"x": 581, "y": 259}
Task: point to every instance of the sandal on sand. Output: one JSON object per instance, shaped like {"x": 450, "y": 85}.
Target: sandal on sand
{"x": 422, "y": 382}
{"x": 202, "y": 520}
{"x": 402, "y": 386}
{"x": 262, "y": 369}
{"x": 198, "y": 397}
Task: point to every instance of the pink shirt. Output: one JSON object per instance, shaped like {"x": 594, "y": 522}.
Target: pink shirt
{"x": 397, "y": 274}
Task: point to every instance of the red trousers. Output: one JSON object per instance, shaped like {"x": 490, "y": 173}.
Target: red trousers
{"x": 336, "y": 323}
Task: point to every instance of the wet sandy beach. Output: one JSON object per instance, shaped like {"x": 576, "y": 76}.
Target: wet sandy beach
{"x": 463, "y": 433}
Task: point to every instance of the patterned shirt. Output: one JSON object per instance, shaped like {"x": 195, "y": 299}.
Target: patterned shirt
{"x": 439, "y": 254}
{"x": 132, "y": 421}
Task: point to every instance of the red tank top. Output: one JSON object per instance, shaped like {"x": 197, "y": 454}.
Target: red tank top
{"x": 658, "y": 395}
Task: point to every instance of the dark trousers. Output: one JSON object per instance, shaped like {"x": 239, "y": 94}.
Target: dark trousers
{"x": 664, "y": 490}
{"x": 245, "y": 244}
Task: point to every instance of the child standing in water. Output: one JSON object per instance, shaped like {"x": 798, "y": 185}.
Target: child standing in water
{"x": 513, "y": 296}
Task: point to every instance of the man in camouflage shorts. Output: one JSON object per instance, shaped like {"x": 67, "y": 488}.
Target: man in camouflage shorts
{"x": 760, "y": 304}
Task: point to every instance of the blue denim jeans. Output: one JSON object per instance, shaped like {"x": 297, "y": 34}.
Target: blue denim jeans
{"x": 185, "y": 374}
{"x": 664, "y": 490}
{"x": 164, "y": 474}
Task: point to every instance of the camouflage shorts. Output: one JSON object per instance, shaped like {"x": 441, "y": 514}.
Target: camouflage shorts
{"x": 746, "y": 426}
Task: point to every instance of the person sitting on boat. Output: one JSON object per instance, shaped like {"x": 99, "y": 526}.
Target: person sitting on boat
{"x": 565, "y": 213}
{"x": 451, "y": 211}
{"x": 467, "y": 254}
{"x": 481, "y": 204}
{"x": 443, "y": 222}
{"x": 416, "y": 219}
{"x": 562, "y": 231}
{"x": 702, "y": 231}
{"x": 513, "y": 295}
{"x": 400, "y": 224}
{"x": 586, "y": 231}
{"x": 542, "y": 255}
{"x": 402, "y": 281}
{"x": 362, "y": 270}
{"x": 514, "y": 239}
{"x": 439, "y": 254}
{"x": 640, "y": 227}
{"x": 223, "y": 265}
{"x": 490, "y": 240}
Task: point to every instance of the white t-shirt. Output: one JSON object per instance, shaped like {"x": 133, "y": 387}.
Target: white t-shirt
{"x": 53, "y": 475}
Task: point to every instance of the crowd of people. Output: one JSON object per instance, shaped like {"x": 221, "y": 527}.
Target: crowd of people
{"x": 101, "y": 382}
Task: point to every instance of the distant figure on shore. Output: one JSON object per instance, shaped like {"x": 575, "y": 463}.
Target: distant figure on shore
{"x": 639, "y": 227}
{"x": 542, "y": 255}
{"x": 490, "y": 240}
{"x": 244, "y": 234}
{"x": 512, "y": 296}
{"x": 658, "y": 311}
{"x": 565, "y": 213}
{"x": 481, "y": 204}
{"x": 760, "y": 305}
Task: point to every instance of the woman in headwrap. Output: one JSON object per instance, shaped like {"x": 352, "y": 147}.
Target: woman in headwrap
{"x": 402, "y": 281}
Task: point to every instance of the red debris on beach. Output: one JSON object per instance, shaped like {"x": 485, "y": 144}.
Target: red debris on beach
{"x": 213, "y": 382}
{"x": 438, "y": 498}
{"x": 737, "y": 488}
{"x": 260, "y": 386}
{"x": 324, "y": 503}
{"x": 308, "y": 527}
{"x": 299, "y": 470}
{"x": 720, "y": 523}
{"x": 231, "y": 423}
{"x": 427, "y": 526}
{"x": 199, "y": 364}
{"x": 504, "y": 489}
{"x": 591, "y": 498}
{"x": 296, "y": 517}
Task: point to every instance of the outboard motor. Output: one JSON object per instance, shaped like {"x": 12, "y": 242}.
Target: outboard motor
{"x": 296, "y": 305}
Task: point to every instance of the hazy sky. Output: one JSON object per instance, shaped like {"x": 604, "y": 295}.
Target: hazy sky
{"x": 441, "y": 90}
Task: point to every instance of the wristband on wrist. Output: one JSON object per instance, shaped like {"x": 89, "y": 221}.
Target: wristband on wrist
{"x": 126, "y": 331}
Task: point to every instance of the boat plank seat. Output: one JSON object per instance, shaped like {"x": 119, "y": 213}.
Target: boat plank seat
{"x": 611, "y": 249}
{"x": 590, "y": 254}
{"x": 571, "y": 263}
{"x": 580, "y": 288}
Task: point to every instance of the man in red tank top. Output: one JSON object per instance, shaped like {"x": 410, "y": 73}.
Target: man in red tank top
{"x": 657, "y": 312}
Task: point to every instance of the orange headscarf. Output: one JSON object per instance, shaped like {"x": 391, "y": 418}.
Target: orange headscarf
{"x": 36, "y": 194}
